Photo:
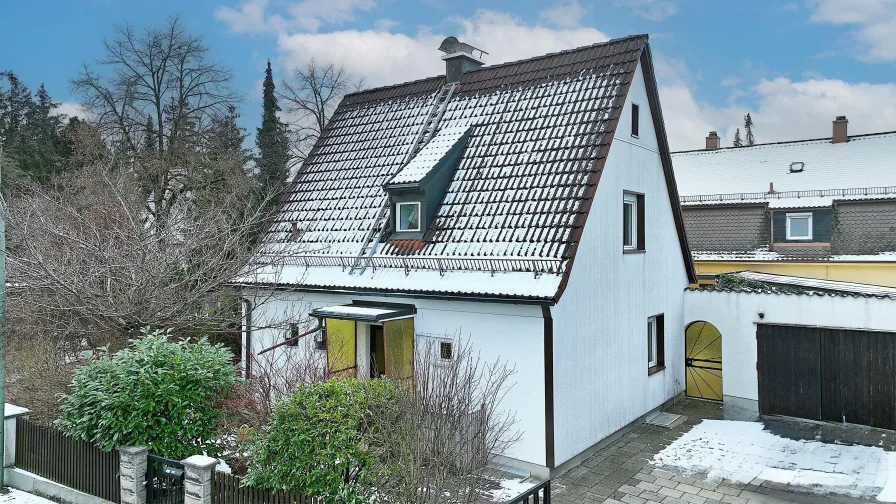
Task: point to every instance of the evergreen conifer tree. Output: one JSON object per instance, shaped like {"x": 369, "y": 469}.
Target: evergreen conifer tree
{"x": 748, "y": 130}
{"x": 271, "y": 140}
{"x": 738, "y": 142}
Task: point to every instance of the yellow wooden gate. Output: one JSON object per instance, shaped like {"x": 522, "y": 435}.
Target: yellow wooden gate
{"x": 703, "y": 361}
{"x": 341, "y": 348}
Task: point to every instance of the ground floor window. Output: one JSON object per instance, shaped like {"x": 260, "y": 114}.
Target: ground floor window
{"x": 655, "y": 336}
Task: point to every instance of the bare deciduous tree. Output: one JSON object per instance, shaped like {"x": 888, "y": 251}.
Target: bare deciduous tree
{"x": 156, "y": 93}
{"x": 88, "y": 263}
{"x": 311, "y": 97}
{"x": 435, "y": 443}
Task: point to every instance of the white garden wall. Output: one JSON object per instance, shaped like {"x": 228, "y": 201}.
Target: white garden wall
{"x": 736, "y": 314}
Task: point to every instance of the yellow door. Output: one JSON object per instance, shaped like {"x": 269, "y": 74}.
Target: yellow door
{"x": 341, "y": 350}
{"x": 703, "y": 361}
{"x": 399, "y": 343}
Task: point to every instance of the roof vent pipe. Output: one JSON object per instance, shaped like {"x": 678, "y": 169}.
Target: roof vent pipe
{"x": 713, "y": 141}
{"x": 840, "y": 134}
{"x": 459, "y": 58}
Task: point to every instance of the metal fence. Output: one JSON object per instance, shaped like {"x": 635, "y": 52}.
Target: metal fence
{"x": 226, "y": 489}
{"x": 164, "y": 480}
{"x": 539, "y": 494}
{"x": 51, "y": 454}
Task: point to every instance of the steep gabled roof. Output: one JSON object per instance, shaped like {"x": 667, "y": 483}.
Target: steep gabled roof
{"x": 540, "y": 133}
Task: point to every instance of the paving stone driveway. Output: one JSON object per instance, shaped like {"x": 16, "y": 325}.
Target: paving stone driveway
{"x": 621, "y": 472}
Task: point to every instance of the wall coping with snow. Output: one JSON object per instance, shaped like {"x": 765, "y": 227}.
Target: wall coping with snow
{"x": 32, "y": 483}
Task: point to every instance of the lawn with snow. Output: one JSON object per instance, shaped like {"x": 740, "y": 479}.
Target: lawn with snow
{"x": 743, "y": 451}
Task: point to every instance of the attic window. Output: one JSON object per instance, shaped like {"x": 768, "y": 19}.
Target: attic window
{"x": 636, "y": 109}
{"x": 408, "y": 217}
{"x": 797, "y": 166}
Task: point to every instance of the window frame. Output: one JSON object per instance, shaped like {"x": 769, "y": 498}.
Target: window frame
{"x": 398, "y": 217}
{"x": 630, "y": 228}
{"x": 656, "y": 343}
{"x": 292, "y": 332}
{"x": 637, "y": 222}
{"x": 798, "y": 215}
{"x": 636, "y": 120}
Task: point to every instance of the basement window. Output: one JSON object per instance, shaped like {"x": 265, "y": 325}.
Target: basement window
{"x": 408, "y": 217}
{"x": 799, "y": 226}
{"x": 655, "y": 343}
{"x": 446, "y": 350}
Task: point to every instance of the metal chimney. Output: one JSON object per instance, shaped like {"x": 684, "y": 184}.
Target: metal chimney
{"x": 459, "y": 58}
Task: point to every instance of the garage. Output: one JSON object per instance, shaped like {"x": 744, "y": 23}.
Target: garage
{"x": 821, "y": 373}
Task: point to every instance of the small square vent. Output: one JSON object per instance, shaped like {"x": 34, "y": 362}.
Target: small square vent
{"x": 797, "y": 166}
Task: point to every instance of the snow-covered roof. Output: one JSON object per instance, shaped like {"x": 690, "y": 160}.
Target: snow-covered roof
{"x": 764, "y": 254}
{"x": 862, "y": 168}
{"x": 821, "y": 285}
{"x": 539, "y": 133}
{"x": 430, "y": 155}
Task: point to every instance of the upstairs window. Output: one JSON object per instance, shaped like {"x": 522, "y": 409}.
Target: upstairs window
{"x": 446, "y": 350}
{"x": 408, "y": 217}
{"x": 632, "y": 222}
{"x": 799, "y": 226}
{"x": 636, "y": 113}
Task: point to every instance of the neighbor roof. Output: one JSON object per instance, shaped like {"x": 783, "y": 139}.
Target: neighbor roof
{"x": 861, "y": 168}
{"x": 539, "y": 133}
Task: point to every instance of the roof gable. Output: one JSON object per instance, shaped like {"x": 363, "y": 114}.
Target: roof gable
{"x": 518, "y": 199}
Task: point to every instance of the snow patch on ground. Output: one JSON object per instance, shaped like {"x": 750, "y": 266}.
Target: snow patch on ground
{"x": 743, "y": 451}
{"x": 510, "y": 488}
{"x": 14, "y": 496}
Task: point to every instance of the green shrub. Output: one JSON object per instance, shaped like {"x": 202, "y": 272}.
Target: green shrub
{"x": 315, "y": 441}
{"x": 156, "y": 393}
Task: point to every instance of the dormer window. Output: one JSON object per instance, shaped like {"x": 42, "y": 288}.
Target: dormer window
{"x": 408, "y": 217}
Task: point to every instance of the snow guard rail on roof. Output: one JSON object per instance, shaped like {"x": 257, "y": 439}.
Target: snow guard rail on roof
{"x": 859, "y": 191}
{"x": 442, "y": 264}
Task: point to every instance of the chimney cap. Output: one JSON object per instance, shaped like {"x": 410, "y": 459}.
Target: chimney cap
{"x": 841, "y": 118}
{"x": 452, "y": 46}
{"x": 713, "y": 134}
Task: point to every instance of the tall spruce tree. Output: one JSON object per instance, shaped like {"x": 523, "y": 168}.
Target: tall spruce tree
{"x": 272, "y": 141}
{"x": 748, "y": 130}
{"x": 738, "y": 142}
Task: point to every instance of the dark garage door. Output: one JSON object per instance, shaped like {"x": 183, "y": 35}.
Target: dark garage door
{"x": 827, "y": 374}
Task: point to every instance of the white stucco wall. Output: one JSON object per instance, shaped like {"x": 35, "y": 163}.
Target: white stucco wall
{"x": 509, "y": 332}
{"x": 600, "y": 324}
{"x": 736, "y": 314}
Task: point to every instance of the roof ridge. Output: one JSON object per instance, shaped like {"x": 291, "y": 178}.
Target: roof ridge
{"x": 784, "y": 142}
{"x": 499, "y": 65}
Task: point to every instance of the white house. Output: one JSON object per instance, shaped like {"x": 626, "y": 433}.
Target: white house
{"x": 529, "y": 207}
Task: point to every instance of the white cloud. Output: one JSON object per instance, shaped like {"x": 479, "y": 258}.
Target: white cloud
{"x": 307, "y": 15}
{"x": 564, "y": 15}
{"x": 385, "y": 24}
{"x": 653, "y": 10}
{"x": 384, "y": 58}
{"x": 874, "y": 22}
{"x": 72, "y": 109}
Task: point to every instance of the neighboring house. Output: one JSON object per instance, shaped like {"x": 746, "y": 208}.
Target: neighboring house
{"x": 529, "y": 208}
{"x": 823, "y": 208}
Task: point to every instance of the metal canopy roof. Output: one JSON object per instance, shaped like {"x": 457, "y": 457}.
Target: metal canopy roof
{"x": 367, "y": 312}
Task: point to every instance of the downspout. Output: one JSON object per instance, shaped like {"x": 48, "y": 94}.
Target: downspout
{"x": 548, "y": 387}
{"x": 247, "y": 330}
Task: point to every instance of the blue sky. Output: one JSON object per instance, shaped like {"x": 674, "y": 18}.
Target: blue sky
{"x": 793, "y": 65}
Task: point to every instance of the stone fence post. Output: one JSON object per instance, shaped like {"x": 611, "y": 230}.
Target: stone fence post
{"x": 132, "y": 467}
{"x": 198, "y": 471}
{"x": 10, "y": 413}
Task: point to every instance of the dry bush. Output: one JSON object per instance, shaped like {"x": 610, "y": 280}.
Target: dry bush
{"x": 38, "y": 371}
{"x": 435, "y": 443}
